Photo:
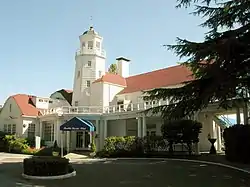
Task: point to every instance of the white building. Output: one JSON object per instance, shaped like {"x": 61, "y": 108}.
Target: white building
{"x": 112, "y": 102}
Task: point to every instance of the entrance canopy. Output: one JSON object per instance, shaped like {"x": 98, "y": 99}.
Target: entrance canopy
{"x": 77, "y": 123}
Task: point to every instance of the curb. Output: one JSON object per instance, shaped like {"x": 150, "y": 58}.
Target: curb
{"x": 184, "y": 160}
{"x": 68, "y": 175}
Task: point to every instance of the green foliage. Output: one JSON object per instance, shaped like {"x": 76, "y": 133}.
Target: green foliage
{"x": 220, "y": 64}
{"x": 92, "y": 145}
{"x": 237, "y": 143}
{"x": 181, "y": 131}
{"x": 113, "y": 69}
{"x": 46, "y": 166}
{"x": 16, "y": 144}
{"x": 122, "y": 146}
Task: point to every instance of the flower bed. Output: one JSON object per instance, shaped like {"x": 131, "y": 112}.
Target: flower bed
{"x": 46, "y": 166}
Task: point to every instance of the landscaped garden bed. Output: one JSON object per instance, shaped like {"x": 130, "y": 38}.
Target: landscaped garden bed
{"x": 47, "y": 167}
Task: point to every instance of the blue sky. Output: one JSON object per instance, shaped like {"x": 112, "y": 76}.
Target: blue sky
{"x": 39, "y": 38}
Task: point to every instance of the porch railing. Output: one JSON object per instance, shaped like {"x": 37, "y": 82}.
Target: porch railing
{"x": 130, "y": 107}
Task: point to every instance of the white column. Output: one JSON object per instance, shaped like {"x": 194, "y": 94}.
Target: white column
{"x": 218, "y": 138}
{"x": 238, "y": 120}
{"x": 103, "y": 132}
{"x": 68, "y": 140}
{"x": 144, "y": 126}
{"x": 61, "y": 143}
{"x": 40, "y": 129}
{"x": 97, "y": 140}
{"x": 105, "y": 129}
{"x": 58, "y": 123}
{"x": 245, "y": 114}
{"x": 139, "y": 127}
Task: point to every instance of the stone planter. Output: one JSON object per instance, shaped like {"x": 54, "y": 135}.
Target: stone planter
{"x": 55, "y": 153}
{"x": 212, "y": 149}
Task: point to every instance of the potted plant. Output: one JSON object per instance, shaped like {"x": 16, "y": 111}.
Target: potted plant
{"x": 55, "y": 151}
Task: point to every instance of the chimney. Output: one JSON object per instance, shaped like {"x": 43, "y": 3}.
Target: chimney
{"x": 123, "y": 66}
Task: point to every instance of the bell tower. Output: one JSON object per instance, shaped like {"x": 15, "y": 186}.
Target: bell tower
{"x": 90, "y": 65}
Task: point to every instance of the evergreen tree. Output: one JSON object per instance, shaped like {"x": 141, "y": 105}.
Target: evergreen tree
{"x": 113, "y": 69}
{"x": 220, "y": 64}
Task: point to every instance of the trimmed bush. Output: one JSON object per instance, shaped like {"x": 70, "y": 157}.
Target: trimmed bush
{"x": 46, "y": 166}
{"x": 237, "y": 143}
{"x": 127, "y": 146}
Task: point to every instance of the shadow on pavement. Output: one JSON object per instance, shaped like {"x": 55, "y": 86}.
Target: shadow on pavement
{"x": 134, "y": 174}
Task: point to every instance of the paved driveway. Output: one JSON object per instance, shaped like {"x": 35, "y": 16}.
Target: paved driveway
{"x": 134, "y": 174}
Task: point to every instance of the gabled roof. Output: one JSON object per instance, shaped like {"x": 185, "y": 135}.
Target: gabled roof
{"x": 67, "y": 94}
{"x": 26, "y": 105}
{"x": 157, "y": 79}
{"x": 113, "y": 79}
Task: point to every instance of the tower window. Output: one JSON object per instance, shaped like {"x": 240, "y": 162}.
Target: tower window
{"x": 89, "y": 64}
{"x": 90, "y": 44}
{"x": 98, "y": 45}
{"x": 78, "y": 74}
{"x": 100, "y": 73}
{"x": 88, "y": 83}
{"x": 83, "y": 44}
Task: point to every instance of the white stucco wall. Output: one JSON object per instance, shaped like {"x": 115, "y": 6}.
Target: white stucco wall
{"x": 96, "y": 97}
{"x": 12, "y": 116}
{"x": 109, "y": 93}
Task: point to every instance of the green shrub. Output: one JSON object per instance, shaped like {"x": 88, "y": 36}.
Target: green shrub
{"x": 181, "y": 131}
{"x": 237, "y": 143}
{"x": 46, "y": 166}
{"x": 16, "y": 144}
{"x": 127, "y": 146}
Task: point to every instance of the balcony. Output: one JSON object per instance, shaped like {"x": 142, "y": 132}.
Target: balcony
{"x": 131, "y": 107}
{"x": 91, "y": 51}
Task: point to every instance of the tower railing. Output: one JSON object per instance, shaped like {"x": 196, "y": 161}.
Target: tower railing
{"x": 91, "y": 51}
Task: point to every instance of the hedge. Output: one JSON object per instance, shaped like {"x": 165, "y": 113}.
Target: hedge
{"x": 237, "y": 143}
{"x": 46, "y": 166}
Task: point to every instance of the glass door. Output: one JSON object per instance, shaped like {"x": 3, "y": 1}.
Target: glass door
{"x": 80, "y": 140}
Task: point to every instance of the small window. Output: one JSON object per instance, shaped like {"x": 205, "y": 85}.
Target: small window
{"x": 90, "y": 45}
{"x": 89, "y": 64}
{"x": 100, "y": 73}
{"x": 10, "y": 107}
{"x": 40, "y": 100}
{"x": 98, "y": 45}
{"x": 50, "y": 101}
{"x": 78, "y": 74}
{"x": 83, "y": 44}
{"x": 76, "y": 103}
{"x": 88, "y": 83}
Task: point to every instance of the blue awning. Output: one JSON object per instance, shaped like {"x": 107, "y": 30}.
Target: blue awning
{"x": 77, "y": 123}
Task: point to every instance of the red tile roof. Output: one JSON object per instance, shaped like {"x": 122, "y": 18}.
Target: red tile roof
{"x": 113, "y": 79}
{"x": 156, "y": 79}
{"x": 26, "y": 105}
